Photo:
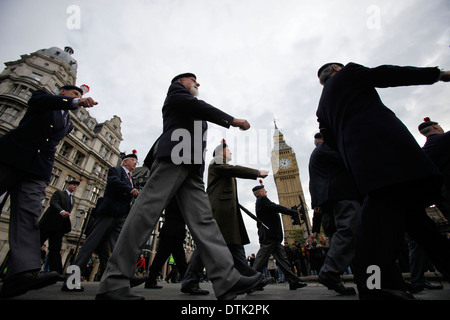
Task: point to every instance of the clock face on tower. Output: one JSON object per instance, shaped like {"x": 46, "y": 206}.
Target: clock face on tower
{"x": 284, "y": 163}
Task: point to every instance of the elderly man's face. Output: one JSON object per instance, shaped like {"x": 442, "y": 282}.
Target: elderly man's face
{"x": 262, "y": 192}
{"x": 191, "y": 84}
{"x": 130, "y": 163}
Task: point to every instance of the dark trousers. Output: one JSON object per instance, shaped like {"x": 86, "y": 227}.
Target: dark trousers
{"x": 54, "y": 249}
{"x": 168, "y": 245}
{"x": 101, "y": 240}
{"x": 418, "y": 262}
{"x": 240, "y": 261}
{"x": 275, "y": 248}
{"x": 194, "y": 272}
{"x": 26, "y": 195}
{"x": 385, "y": 216}
{"x": 341, "y": 253}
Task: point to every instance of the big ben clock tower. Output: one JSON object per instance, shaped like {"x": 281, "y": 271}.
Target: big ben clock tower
{"x": 289, "y": 187}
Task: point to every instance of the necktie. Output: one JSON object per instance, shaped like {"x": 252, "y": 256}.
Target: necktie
{"x": 129, "y": 177}
{"x": 66, "y": 117}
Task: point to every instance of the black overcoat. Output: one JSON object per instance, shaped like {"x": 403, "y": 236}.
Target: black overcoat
{"x": 185, "y": 117}
{"x": 375, "y": 145}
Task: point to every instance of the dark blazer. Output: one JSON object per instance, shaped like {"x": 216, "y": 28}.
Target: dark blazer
{"x": 222, "y": 192}
{"x": 329, "y": 179}
{"x": 32, "y": 145}
{"x": 51, "y": 219}
{"x": 117, "y": 198}
{"x": 375, "y": 145}
{"x": 268, "y": 213}
{"x": 437, "y": 147}
{"x": 185, "y": 117}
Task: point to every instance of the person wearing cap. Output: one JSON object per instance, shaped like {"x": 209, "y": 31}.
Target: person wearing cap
{"x": 337, "y": 206}
{"x": 26, "y": 175}
{"x": 222, "y": 192}
{"x": 270, "y": 236}
{"x": 176, "y": 162}
{"x": 394, "y": 176}
{"x": 109, "y": 218}
{"x": 55, "y": 222}
{"x": 437, "y": 148}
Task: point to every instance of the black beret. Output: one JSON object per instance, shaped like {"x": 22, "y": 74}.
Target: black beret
{"x": 257, "y": 188}
{"x": 74, "y": 182}
{"x": 327, "y": 65}
{"x": 318, "y": 135}
{"x": 426, "y": 123}
{"x": 72, "y": 87}
{"x": 131, "y": 155}
{"x": 184, "y": 75}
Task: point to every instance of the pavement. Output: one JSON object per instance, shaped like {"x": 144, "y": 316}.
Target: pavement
{"x": 272, "y": 292}
{"x": 276, "y": 301}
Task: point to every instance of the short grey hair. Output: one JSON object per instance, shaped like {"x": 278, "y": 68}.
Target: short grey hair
{"x": 326, "y": 73}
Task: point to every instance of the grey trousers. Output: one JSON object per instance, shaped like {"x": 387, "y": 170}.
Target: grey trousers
{"x": 166, "y": 181}
{"x": 26, "y": 195}
{"x": 343, "y": 242}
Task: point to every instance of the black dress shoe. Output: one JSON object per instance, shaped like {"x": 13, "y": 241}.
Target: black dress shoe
{"x": 119, "y": 294}
{"x": 430, "y": 286}
{"x": 195, "y": 291}
{"x": 296, "y": 285}
{"x": 136, "y": 281}
{"x": 61, "y": 277}
{"x": 261, "y": 285}
{"x": 336, "y": 286}
{"x": 151, "y": 283}
{"x": 21, "y": 283}
{"x": 414, "y": 287}
{"x": 244, "y": 285}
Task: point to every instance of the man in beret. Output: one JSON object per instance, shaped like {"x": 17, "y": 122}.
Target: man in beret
{"x": 109, "y": 218}
{"x": 337, "y": 206}
{"x": 26, "y": 175}
{"x": 176, "y": 162}
{"x": 394, "y": 176}
{"x": 270, "y": 238}
{"x": 437, "y": 147}
{"x": 55, "y": 222}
